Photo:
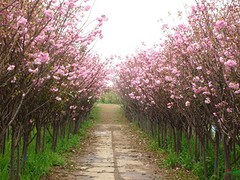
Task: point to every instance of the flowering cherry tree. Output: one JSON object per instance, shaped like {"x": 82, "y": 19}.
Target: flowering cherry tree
{"x": 48, "y": 77}
{"x": 188, "y": 85}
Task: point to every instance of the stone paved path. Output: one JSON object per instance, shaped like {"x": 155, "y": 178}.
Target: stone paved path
{"x": 112, "y": 154}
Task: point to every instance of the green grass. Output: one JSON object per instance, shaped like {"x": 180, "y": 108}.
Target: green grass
{"x": 185, "y": 161}
{"x": 40, "y": 164}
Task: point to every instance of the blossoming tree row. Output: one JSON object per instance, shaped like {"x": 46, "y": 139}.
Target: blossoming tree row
{"x": 48, "y": 78}
{"x": 188, "y": 85}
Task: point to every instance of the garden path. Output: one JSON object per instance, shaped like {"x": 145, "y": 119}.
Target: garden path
{"x": 112, "y": 151}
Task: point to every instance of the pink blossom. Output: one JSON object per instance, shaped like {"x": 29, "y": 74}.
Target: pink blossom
{"x": 230, "y": 63}
{"x": 41, "y": 58}
{"x": 207, "y": 100}
{"x": 21, "y": 21}
{"x": 72, "y": 107}
{"x": 146, "y": 81}
{"x": 37, "y": 61}
{"x": 54, "y": 89}
{"x": 60, "y": 72}
{"x": 131, "y": 95}
{"x": 45, "y": 57}
{"x": 237, "y": 92}
{"x": 102, "y": 18}
{"x": 71, "y": 3}
{"x": 56, "y": 77}
{"x": 220, "y": 24}
{"x": 229, "y": 110}
{"x": 11, "y": 67}
{"x": 169, "y": 105}
{"x": 199, "y": 67}
{"x": 168, "y": 78}
{"x": 40, "y": 38}
{"x": 58, "y": 98}
{"x": 187, "y": 103}
{"x": 63, "y": 84}
{"x": 48, "y": 13}
{"x": 14, "y": 79}
{"x": 23, "y": 31}
{"x": 153, "y": 102}
{"x": 87, "y": 8}
{"x": 233, "y": 85}
{"x": 221, "y": 59}
{"x": 34, "y": 71}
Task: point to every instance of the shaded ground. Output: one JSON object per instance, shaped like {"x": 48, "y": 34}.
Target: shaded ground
{"x": 113, "y": 151}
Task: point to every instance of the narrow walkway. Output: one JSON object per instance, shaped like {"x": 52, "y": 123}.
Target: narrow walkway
{"x": 112, "y": 153}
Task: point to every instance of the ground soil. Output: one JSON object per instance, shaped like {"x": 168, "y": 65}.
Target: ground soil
{"x": 115, "y": 151}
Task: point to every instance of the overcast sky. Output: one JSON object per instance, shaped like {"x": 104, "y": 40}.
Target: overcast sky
{"x": 131, "y": 22}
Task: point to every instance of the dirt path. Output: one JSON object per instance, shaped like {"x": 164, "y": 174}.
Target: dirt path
{"x": 111, "y": 153}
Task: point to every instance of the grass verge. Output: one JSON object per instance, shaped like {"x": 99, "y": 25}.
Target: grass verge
{"x": 166, "y": 159}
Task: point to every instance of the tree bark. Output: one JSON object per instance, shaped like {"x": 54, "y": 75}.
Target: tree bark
{"x": 227, "y": 175}
{"x": 12, "y": 157}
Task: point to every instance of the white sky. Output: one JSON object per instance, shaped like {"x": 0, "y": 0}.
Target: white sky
{"x": 131, "y": 22}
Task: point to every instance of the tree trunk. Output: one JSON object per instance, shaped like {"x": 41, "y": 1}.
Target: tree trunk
{"x": 18, "y": 161}
{"x": 202, "y": 143}
{"x": 226, "y": 158}
{"x": 2, "y": 144}
{"x": 159, "y": 132}
{"x": 196, "y": 150}
{"x": 216, "y": 154}
{"x": 55, "y": 136}
{"x": 25, "y": 150}
{"x": 38, "y": 137}
{"x": 77, "y": 125}
{"x": 43, "y": 138}
{"x": 12, "y": 153}
{"x": 188, "y": 135}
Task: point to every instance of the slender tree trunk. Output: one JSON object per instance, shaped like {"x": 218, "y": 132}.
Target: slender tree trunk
{"x": 43, "y": 138}
{"x": 38, "y": 137}
{"x": 179, "y": 140}
{"x": 2, "y": 144}
{"x": 203, "y": 153}
{"x": 174, "y": 139}
{"x": 25, "y": 150}
{"x": 170, "y": 136}
{"x": 216, "y": 154}
{"x": 77, "y": 125}
{"x": 226, "y": 158}
{"x": 69, "y": 128}
{"x": 55, "y": 136}
{"x": 165, "y": 134}
{"x": 196, "y": 150}
{"x": 18, "y": 161}
{"x": 12, "y": 157}
{"x": 159, "y": 132}
{"x": 63, "y": 129}
{"x": 188, "y": 135}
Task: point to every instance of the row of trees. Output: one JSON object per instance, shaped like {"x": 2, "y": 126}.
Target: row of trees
{"x": 188, "y": 85}
{"x": 48, "y": 78}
